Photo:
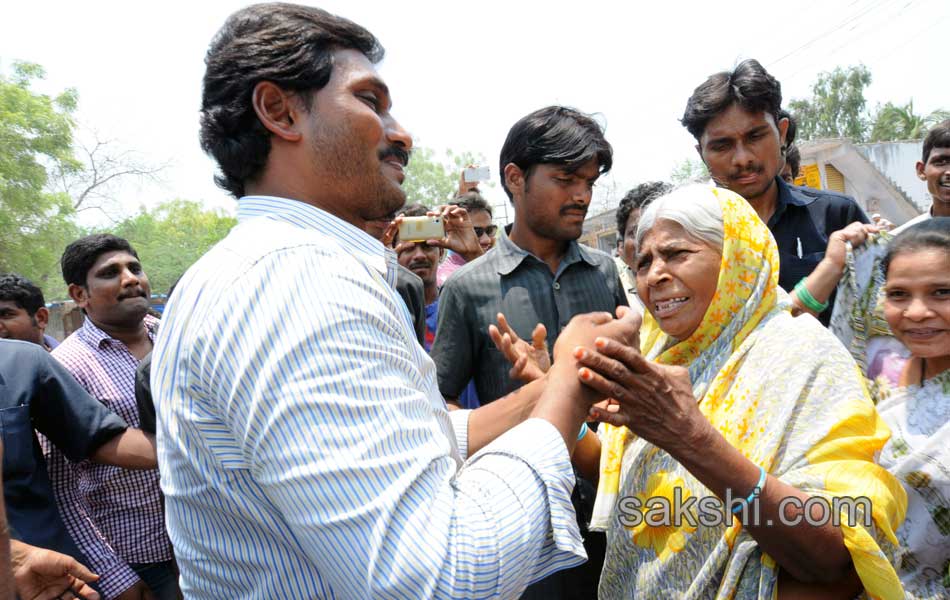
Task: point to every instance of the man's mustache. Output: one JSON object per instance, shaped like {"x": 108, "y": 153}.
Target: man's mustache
{"x": 133, "y": 295}
{"x": 570, "y": 207}
{"x": 424, "y": 264}
{"x": 397, "y": 152}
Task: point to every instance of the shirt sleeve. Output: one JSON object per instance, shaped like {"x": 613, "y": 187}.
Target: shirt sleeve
{"x": 454, "y": 347}
{"x": 63, "y": 411}
{"x": 115, "y": 576}
{"x": 344, "y": 430}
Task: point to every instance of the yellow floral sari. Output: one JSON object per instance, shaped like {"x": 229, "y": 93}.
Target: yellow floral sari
{"x": 784, "y": 392}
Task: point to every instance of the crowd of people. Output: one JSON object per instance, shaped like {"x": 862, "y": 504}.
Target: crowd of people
{"x": 750, "y": 400}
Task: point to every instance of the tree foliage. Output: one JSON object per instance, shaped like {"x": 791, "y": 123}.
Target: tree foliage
{"x": 430, "y": 181}
{"x": 837, "y": 107}
{"x": 171, "y": 237}
{"x": 35, "y": 135}
{"x": 894, "y": 122}
{"x": 689, "y": 170}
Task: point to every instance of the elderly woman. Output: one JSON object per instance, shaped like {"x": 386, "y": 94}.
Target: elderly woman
{"x": 734, "y": 400}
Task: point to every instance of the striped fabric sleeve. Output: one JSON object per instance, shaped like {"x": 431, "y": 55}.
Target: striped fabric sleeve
{"x": 347, "y": 436}
{"x": 460, "y": 426}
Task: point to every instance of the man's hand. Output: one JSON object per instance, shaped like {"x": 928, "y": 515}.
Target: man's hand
{"x": 467, "y": 186}
{"x": 41, "y": 574}
{"x": 529, "y": 361}
{"x": 459, "y": 232}
{"x": 139, "y": 591}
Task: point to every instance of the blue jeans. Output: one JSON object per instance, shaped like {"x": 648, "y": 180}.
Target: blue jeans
{"x": 161, "y": 578}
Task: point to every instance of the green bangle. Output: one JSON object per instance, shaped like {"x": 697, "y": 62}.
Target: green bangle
{"x": 807, "y": 299}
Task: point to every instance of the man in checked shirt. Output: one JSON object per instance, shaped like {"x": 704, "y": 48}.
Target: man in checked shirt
{"x": 114, "y": 515}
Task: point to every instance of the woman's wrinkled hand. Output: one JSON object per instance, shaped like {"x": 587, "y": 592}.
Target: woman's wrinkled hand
{"x": 654, "y": 401}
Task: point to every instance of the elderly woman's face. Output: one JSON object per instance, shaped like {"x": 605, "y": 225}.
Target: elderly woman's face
{"x": 676, "y": 277}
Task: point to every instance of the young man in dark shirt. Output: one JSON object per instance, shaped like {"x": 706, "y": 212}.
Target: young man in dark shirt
{"x": 538, "y": 273}
{"x": 740, "y": 134}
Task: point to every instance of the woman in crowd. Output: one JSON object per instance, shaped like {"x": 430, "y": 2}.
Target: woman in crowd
{"x": 732, "y": 397}
{"x": 916, "y": 306}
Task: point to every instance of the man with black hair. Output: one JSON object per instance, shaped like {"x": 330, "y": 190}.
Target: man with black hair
{"x": 934, "y": 169}
{"x": 305, "y": 449}
{"x": 736, "y": 118}
{"x": 537, "y": 276}
{"x": 628, "y": 215}
{"x": 115, "y": 515}
{"x": 23, "y": 312}
{"x": 793, "y": 164}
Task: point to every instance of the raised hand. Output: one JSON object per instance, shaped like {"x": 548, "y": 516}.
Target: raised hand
{"x": 459, "y": 232}
{"x": 529, "y": 361}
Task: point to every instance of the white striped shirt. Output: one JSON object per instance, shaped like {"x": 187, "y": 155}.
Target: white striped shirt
{"x": 305, "y": 449}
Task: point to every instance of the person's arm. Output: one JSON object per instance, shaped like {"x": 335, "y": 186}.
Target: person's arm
{"x": 353, "y": 453}
{"x": 821, "y": 283}
{"x": 656, "y": 402}
{"x": 131, "y": 449}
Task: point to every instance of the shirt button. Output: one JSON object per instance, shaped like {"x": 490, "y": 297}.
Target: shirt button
{"x": 557, "y": 285}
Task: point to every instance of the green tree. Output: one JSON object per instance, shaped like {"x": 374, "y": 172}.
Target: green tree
{"x": 837, "y": 107}
{"x": 430, "y": 181}
{"x": 172, "y": 236}
{"x": 689, "y": 170}
{"x": 894, "y": 122}
{"x": 35, "y": 135}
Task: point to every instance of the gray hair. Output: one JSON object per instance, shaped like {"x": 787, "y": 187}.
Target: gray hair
{"x": 693, "y": 206}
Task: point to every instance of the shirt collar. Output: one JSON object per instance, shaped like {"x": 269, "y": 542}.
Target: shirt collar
{"x": 351, "y": 239}
{"x": 787, "y": 195}
{"x": 509, "y": 256}
{"x": 95, "y": 337}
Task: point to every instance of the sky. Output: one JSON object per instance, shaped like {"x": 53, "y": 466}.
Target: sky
{"x": 462, "y": 73}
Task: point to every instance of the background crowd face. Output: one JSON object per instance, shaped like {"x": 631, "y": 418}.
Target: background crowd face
{"x": 743, "y": 150}
{"x": 628, "y": 248}
{"x": 422, "y": 259}
{"x": 116, "y": 291}
{"x": 18, "y": 324}
{"x": 677, "y": 276}
{"x": 936, "y": 172}
{"x": 481, "y": 221}
{"x": 357, "y": 149}
{"x": 555, "y": 200}
{"x": 917, "y": 301}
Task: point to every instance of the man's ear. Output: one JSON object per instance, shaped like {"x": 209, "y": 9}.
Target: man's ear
{"x": 279, "y": 111}
{"x": 920, "y": 171}
{"x": 79, "y": 295}
{"x": 782, "y": 131}
{"x": 42, "y": 317}
{"x": 514, "y": 180}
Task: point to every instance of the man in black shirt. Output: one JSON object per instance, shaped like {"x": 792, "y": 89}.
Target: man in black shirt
{"x": 36, "y": 392}
{"x": 741, "y": 136}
